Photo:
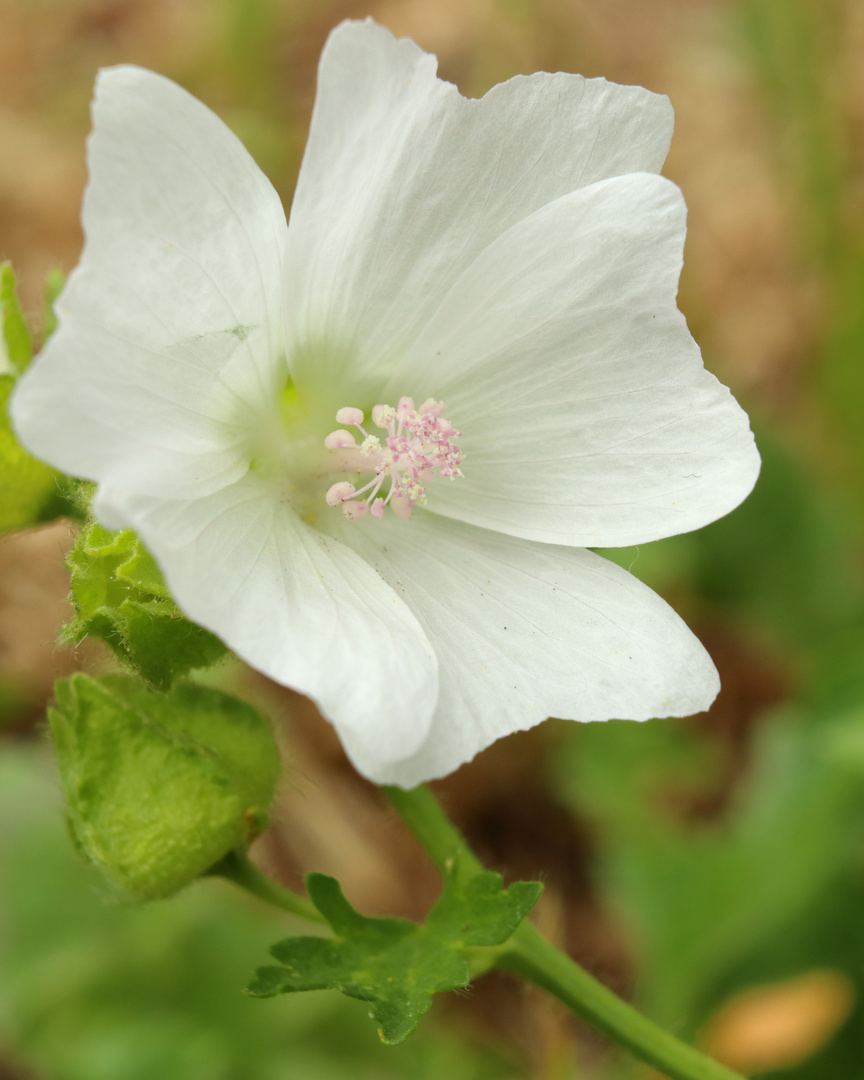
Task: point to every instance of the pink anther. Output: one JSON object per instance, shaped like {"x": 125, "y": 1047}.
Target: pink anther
{"x": 349, "y": 415}
{"x": 418, "y": 444}
{"x": 337, "y": 440}
{"x": 339, "y": 492}
{"x": 382, "y": 415}
{"x": 355, "y": 510}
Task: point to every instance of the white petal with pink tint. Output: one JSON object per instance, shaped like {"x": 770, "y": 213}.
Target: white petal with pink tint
{"x": 589, "y": 417}
{"x": 170, "y": 348}
{"x": 523, "y": 631}
{"x": 299, "y": 606}
{"x": 405, "y": 182}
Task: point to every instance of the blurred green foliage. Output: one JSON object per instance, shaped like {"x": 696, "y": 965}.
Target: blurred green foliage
{"x": 754, "y": 898}
{"x": 95, "y": 991}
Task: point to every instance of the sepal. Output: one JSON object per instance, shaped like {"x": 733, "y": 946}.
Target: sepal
{"x": 121, "y": 598}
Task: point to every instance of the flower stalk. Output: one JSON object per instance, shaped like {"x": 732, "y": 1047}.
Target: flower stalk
{"x": 531, "y": 956}
{"x": 237, "y": 867}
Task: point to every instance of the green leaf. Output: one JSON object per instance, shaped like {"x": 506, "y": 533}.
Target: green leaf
{"x": 17, "y": 346}
{"x": 392, "y": 964}
{"x": 28, "y": 487}
{"x": 478, "y": 912}
{"x": 159, "y": 787}
{"x": 121, "y": 598}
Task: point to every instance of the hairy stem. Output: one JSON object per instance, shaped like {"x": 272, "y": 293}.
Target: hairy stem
{"x": 237, "y": 867}
{"x": 530, "y": 955}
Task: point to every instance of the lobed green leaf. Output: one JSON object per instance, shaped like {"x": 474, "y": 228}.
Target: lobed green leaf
{"x": 394, "y": 965}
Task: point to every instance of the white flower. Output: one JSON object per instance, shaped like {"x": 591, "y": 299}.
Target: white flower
{"x": 515, "y": 258}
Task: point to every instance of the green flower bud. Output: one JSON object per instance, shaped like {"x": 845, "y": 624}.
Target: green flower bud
{"x": 160, "y": 786}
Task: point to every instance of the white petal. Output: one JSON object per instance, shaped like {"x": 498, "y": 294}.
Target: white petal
{"x": 525, "y": 631}
{"x": 171, "y": 340}
{"x": 405, "y": 182}
{"x": 589, "y": 418}
{"x": 298, "y": 606}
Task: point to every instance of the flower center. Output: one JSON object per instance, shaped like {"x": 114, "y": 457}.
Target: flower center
{"x": 418, "y": 442}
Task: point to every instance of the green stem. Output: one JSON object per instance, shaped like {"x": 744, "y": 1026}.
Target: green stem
{"x": 422, "y": 813}
{"x": 237, "y": 867}
{"x": 530, "y": 955}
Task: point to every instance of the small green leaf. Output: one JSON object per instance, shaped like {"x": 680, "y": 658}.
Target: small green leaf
{"x": 28, "y": 487}
{"x": 17, "y": 346}
{"x": 160, "y": 787}
{"x": 479, "y": 912}
{"x": 121, "y": 598}
{"x": 392, "y": 964}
